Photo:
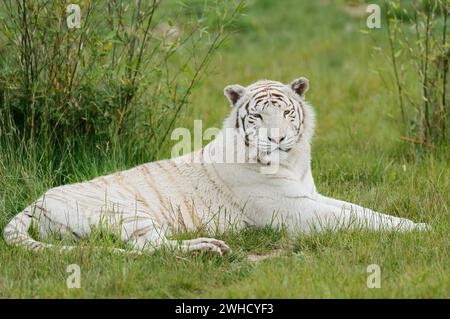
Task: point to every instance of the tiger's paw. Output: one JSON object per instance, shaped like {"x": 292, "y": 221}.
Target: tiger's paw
{"x": 422, "y": 227}
{"x": 208, "y": 245}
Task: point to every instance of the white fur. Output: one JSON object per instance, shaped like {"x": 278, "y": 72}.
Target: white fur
{"x": 146, "y": 204}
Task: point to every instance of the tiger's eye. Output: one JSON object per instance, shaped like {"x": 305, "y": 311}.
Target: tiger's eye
{"x": 286, "y": 113}
{"x": 258, "y": 116}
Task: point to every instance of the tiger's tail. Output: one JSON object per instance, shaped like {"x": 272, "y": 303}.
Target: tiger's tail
{"x": 16, "y": 233}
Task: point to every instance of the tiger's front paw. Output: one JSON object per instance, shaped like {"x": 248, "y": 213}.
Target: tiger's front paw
{"x": 411, "y": 226}
{"x": 422, "y": 227}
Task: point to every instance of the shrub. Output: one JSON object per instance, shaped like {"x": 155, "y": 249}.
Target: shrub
{"x": 123, "y": 77}
{"x": 419, "y": 49}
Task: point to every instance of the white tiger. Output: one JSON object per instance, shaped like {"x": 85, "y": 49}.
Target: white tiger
{"x": 145, "y": 204}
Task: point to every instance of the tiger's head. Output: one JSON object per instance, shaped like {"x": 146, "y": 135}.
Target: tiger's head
{"x": 270, "y": 117}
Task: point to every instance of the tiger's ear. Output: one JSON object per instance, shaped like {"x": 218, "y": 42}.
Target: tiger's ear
{"x": 234, "y": 92}
{"x": 300, "y": 86}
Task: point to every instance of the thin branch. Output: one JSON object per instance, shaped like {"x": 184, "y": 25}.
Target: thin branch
{"x": 425, "y": 95}
{"x": 445, "y": 68}
{"x": 394, "y": 64}
{"x": 416, "y": 141}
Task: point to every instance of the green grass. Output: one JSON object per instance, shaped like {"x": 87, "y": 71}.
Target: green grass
{"x": 357, "y": 156}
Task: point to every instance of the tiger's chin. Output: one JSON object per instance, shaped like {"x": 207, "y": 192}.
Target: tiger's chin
{"x": 275, "y": 157}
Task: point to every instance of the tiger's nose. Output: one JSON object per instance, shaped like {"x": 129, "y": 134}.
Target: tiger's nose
{"x": 276, "y": 139}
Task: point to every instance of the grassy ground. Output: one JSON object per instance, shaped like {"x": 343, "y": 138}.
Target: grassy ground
{"x": 357, "y": 153}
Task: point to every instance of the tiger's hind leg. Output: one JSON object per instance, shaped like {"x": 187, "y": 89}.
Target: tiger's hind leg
{"x": 151, "y": 243}
{"x": 149, "y": 237}
{"x": 144, "y": 234}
